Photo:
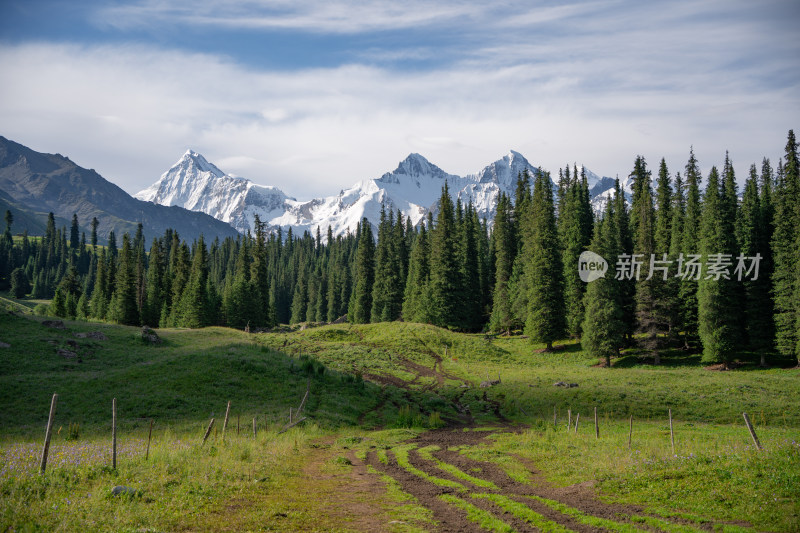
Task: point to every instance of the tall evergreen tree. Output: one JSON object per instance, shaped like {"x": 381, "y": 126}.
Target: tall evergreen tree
{"x": 603, "y": 326}
{"x": 691, "y": 246}
{"x": 192, "y": 310}
{"x": 650, "y": 282}
{"x": 95, "y": 223}
{"x": 758, "y": 326}
{"x": 387, "y": 298}
{"x": 415, "y": 303}
{"x": 546, "y": 319}
{"x": 505, "y": 248}
{"x": 364, "y": 275}
{"x": 123, "y": 308}
{"x": 671, "y": 298}
{"x": 74, "y": 233}
{"x": 445, "y": 275}
{"x": 575, "y": 233}
{"x": 627, "y": 290}
{"x": 154, "y": 299}
{"x": 717, "y": 311}
{"x": 471, "y": 311}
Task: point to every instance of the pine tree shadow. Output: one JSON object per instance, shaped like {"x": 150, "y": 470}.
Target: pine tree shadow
{"x": 671, "y": 358}
{"x": 681, "y": 358}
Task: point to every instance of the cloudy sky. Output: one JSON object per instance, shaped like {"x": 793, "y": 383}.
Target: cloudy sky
{"x": 313, "y": 96}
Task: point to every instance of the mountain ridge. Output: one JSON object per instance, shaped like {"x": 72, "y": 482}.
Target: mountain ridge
{"x": 413, "y": 188}
{"x": 41, "y": 182}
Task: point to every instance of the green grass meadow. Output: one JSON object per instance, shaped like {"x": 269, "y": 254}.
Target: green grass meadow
{"x": 372, "y": 386}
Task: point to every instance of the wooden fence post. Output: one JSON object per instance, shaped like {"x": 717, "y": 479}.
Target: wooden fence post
{"x": 225, "y": 423}
{"x": 149, "y": 437}
{"x": 555, "y": 416}
{"x": 254, "y": 427}
{"x": 569, "y": 419}
{"x": 577, "y": 418}
{"x": 48, "y": 432}
{"x": 671, "y": 432}
{"x": 596, "y": 427}
{"x": 237, "y": 425}
{"x": 630, "y": 433}
{"x": 208, "y": 431}
{"x": 114, "y": 433}
{"x": 752, "y": 431}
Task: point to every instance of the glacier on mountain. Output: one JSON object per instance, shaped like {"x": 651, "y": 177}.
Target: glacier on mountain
{"x": 413, "y": 188}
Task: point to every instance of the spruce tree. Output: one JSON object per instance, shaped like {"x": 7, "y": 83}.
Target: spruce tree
{"x": 154, "y": 299}
{"x": 690, "y": 245}
{"x": 123, "y": 308}
{"x": 649, "y": 284}
{"x": 74, "y": 233}
{"x": 387, "y": 299}
{"x": 759, "y": 328}
{"x": 627, "y": 290}
{"x": 718, "y": 318}
{"x": 575, "y": 234}
{"x": 415, "y": 304}
{"x": 603, "y": 326}
{"x": 364, "y": 277}
{"x": 671, "y": 299}
{"x": 505, "y": 247}
{"x": 445, "y": 275}
{"x": 95, "y": 223}
{"x": 98, "y": 305}
{"x": 546, "y": 319}
{"x": 471, "y": 311}
{"x": 192, "y": 309}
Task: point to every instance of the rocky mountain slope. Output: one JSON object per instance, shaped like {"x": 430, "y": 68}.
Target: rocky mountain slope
{"x": 40, "y": 183}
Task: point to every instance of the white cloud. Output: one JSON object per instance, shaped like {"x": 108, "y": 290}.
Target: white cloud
{"x": 318, "y": 16}
{"x": 595, "y": 83}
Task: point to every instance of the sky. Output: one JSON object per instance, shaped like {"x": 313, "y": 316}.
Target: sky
{"x": 315, "y": 96}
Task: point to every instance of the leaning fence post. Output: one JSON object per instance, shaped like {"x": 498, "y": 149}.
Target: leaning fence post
{"x": 577, "y": 418}
{"x": 48, "y": 432}
{"x": 149, "y": 436}
{"x": 569, "y": 419}
{"x": 208, "y": 431}
{"x": 254, "y": 427}
{"x": 596, "y": 427}
{"x": 671, "y": 432}
{"x": 225, "y": 423}
{"x": 752, "y": 431}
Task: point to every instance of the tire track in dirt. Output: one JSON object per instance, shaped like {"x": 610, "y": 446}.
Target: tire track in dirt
{"x": 579, "y": 499}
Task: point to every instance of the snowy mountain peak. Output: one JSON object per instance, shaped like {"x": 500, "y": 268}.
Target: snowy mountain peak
{"x": 413, "y": 188}
{"x": 504, "y": 172}
{"x": 192, "y": 159}
{"x": 415, "y": 166}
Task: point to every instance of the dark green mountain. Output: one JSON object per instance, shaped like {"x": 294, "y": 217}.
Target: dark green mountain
{"x": 34, "y": 183}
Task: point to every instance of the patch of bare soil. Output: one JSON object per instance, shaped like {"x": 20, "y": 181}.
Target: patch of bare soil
{"x": 581, "y": 497}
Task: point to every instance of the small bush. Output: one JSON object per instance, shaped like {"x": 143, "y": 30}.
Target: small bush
{"x": 435, "y": 420}
{"x": 41, "y": 310}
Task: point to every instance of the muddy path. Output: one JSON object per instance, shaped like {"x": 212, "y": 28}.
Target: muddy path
{"x": 456, "y": 488}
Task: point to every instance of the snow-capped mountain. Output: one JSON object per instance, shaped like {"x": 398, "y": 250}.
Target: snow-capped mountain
{"x": 196, "y": 184}
{"x": 413, "y": 188}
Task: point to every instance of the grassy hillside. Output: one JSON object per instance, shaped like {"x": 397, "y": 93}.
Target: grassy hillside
{"x": 393, "y": 352}
{"x": 184, "y": 381}
{"x": 340, "y": 471}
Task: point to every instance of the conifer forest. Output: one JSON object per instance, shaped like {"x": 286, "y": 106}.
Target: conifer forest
{"x": 519, "y": 274}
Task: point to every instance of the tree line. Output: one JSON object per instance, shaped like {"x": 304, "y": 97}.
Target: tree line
{"x": 675, "y": 252}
